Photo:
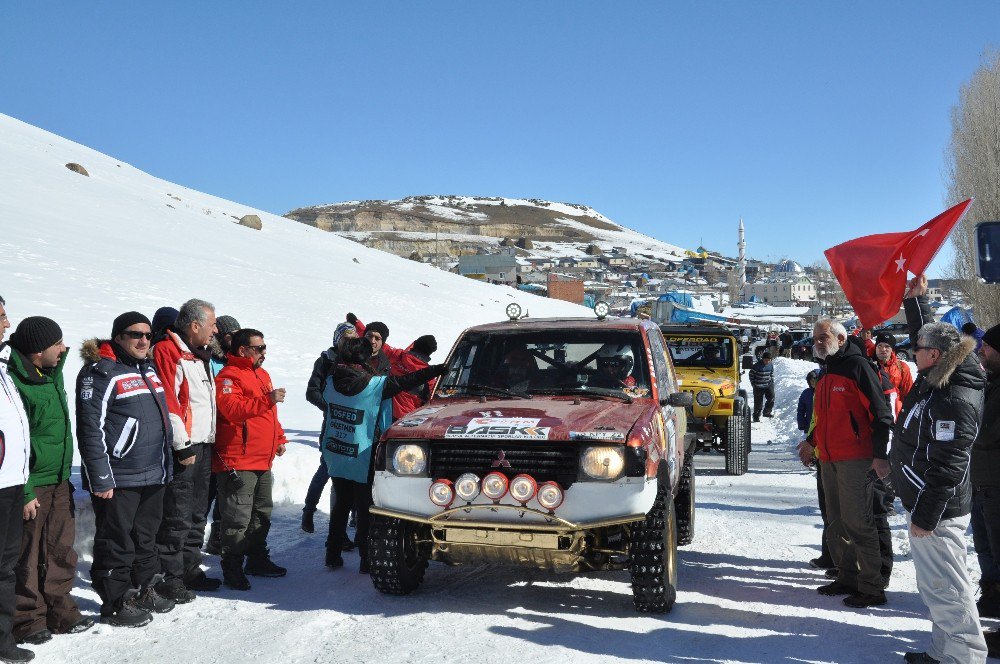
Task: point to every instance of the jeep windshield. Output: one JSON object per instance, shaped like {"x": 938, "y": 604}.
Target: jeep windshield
{"x": 601, "y": 362}
{"x": 700, "y": 351}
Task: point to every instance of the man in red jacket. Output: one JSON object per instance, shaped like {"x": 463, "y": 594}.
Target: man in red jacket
{"x": 249, "y": 436}
{"x": 417, "y": 356}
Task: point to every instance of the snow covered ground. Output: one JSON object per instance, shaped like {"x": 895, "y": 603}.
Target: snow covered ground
{"x": 82, "y": 250}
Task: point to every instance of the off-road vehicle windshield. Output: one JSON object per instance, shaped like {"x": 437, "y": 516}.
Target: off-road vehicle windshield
{"x": 701, "y": 351}
{"x": 610, "y": 362}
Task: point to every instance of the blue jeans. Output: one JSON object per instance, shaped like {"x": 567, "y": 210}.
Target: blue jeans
{"x": 315, "y": 490}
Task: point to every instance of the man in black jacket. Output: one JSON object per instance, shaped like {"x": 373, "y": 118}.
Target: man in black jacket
{"x": 124, "y": 435}
{"x": 762, "y": 381}
{"x": 930, "y": 455}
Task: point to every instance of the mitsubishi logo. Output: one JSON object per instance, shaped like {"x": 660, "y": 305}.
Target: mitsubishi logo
{"x": 501, "y": 461}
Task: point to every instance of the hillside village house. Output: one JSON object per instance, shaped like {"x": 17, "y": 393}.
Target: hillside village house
{"x": 494, "y": 268}
{"x": 781, "y": 291}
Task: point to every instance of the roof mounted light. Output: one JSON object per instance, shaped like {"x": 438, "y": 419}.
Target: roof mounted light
{"x": 601, "y": 309}
{"x": 513, "y": 311}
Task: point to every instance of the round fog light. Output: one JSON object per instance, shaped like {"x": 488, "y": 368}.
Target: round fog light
{"x": 441, "y": 493}
{"x": 467, "y": 487}
{"x": 495, "y": 486}
{"x": 550, "y": 495}
{"x": 704, "y": 398}
{"x": 522, "y": 488}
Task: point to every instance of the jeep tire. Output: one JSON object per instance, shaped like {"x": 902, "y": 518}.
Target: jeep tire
{"x": 396, "y": 559}
{"x": 684, "y": 502}
{"x": 737, "y": 443}
{"x": 653, "y": 556}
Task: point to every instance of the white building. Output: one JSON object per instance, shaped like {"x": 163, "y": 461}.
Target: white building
{"x": 786, "y": 289}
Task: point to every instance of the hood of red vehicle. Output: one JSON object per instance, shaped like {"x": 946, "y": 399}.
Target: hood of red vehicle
{"x": 551, "y": 418}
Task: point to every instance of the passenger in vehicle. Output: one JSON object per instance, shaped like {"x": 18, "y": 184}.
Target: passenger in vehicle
{"x": 614, "y": 367}
{"x": 518, "y": 370}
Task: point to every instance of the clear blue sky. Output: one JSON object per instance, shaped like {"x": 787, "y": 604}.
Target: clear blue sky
{"x": 815, "y": 122}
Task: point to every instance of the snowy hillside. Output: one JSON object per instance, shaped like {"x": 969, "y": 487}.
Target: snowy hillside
{"x": 83, "y": 249}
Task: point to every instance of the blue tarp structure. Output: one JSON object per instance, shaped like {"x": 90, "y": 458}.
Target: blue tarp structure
{"x": 683, "y": 299}
{"x": 685, "y": 315}
{"x": 957, "y": 316}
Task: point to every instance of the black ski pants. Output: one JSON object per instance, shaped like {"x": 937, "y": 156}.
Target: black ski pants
{"x": 760, "y": 395}
{"x": 185, "y": 504}
{"x": 11, "y": 524}
{"x": 355, "y": 496}
{"x": 125, "y": 542}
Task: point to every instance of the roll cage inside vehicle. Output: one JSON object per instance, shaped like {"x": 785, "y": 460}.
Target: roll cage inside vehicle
{"x": 557, "y": 444}
{"x": 708, "y": 364}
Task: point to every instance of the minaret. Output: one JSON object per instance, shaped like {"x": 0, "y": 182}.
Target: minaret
{"x": 742, "y": 265}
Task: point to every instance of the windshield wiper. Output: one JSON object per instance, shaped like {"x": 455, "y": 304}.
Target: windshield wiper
{"x": 489, "y": 388}
{"x": 583, "y": 389}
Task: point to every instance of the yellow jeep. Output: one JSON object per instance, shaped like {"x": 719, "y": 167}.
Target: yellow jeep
{"x": 707, "y": 361}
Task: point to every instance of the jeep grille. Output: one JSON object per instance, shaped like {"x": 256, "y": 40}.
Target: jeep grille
{"x": 543, "y": 462}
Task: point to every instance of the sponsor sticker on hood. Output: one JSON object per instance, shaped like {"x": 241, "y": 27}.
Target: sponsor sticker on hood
{"x": 596, "y": 435}
{"x": 504, "y": 428}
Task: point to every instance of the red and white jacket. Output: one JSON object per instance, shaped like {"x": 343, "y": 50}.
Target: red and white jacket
{"x": 190, "y": 391}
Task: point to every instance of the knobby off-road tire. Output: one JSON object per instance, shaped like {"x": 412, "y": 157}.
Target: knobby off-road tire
{"x": 737, "y": 444}
{"x": 684, "y": 502}
{"x": 396, "y": 561}
{"x": 653, "y": 557}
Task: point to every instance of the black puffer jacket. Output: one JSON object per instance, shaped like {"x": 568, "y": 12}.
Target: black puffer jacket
{"x": 985, "y": 469}
{"x": 933, "y": 435}
{"x": 322, "y": 368}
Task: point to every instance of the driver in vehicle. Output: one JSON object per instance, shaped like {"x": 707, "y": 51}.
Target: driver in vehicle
{"x": 517, "y": 371}
{"x": 614, "y": 367}
{"x": 711, "y": 354}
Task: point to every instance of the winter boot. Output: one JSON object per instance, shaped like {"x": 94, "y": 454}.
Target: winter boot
{"x": 989, "y": 601}
{"x": 835, "y": 588}
{"x": 307, "y": 520}
{"x": 865, "y": 600}
{"x": 175, "y": 591}
{"x": 262, "y": 565}
{"x": 832, "y": 573}
{"x": 202, "y": 583}
{"x": 822, "y": 563}
{"x": 81, "y": 625}
{"x": 128, "y": 613}
{"x": 333, "y": 559}
{"x": 152, "y": 601}
{"x": 232, "y": 573}
{"x": 37, "y": 638}
{"x": 16, "y": 655}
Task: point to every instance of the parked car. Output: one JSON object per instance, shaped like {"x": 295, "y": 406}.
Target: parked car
{"x": 904, "y": 350}
{"x": 803, "y": 349}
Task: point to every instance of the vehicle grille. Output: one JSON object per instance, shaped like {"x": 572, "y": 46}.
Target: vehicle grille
{"x": 543, "y": 462}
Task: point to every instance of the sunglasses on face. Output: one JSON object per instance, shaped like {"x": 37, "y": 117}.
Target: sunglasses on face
{"x": 260, "y": 349}
{"x": 130, "y": 334}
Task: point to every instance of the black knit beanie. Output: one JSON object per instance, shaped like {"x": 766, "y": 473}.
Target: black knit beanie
{"x": 379, "y": 327}
{"x": 127, "y": 320}
{"x": 992, "y": 337}
{"x": 35, "y": 333}
{"x": 426, "y": 345}
{"x": 883, "y": 338}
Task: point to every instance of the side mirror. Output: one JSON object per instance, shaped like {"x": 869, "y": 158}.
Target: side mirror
{"x": 988, "y": 251}
{"x": 679, "y": 400}
{"x": 746, "y": 362}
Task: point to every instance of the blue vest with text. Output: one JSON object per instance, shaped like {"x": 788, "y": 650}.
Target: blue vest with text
{"x": 353, "y": 423}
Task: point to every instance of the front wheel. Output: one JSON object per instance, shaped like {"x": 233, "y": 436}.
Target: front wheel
{"x": 903, "y": 355}
{"x": 737, "y": 444}
{"x": 653, "y": 557}
{"x": 397, "y": 560}
{"x": 684, "y": 502}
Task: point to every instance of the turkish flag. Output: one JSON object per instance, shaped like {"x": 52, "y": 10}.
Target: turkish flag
{"x": 872, "y": 270}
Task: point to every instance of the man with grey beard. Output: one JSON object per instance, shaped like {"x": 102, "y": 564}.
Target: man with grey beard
{"x": 851, "y": 436}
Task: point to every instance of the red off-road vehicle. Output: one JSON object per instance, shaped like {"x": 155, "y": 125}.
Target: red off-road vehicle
{"x": 552, "y": 443}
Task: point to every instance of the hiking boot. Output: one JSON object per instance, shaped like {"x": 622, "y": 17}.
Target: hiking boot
{"x": 264, "y": 566}
{"x": 128, "y": 613}
{"x": 835, "y": 588}
{"x": 16, "y": 655}
{"x": 81, "y": 625}
{"x": 822, "y": 563}
{"x": 36, "y": 638}
{"x": 202, "y": 583}
{"x": 921, "y": 658}
{"x": 865, "y": 600}
{"x": 175, "y": 591}
{"x": 232, "y": 573}
{"x": 307, "y": 521}
{"x": 151, "y": 600}
{"x": 832, "y": 573}
{"x": 756, "y": 419}
{"x": 334, "y": 559}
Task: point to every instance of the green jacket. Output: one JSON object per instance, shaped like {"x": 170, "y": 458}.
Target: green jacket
{"x": 45, "y": 403}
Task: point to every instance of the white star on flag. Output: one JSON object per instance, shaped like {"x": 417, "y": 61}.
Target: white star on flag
{"x": 900, "y": 263}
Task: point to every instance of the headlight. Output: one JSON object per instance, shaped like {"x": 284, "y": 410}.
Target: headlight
{"x": 409, "y": 459}
{"x": 441, "y": 493}
{"x": 704, "y": 398}
{"x": 495, "y": 486}
{"x": 467, "y": 487}
{"x": 522, "y": 488}
{"x": 550, "y": 495}
{"x": 602, "y": 463}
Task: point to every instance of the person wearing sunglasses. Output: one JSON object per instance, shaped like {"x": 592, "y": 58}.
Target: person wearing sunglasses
{"x": 124, "y": 437}
{"x": 931, "y": 447}
{"x": 249, "y": 438}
